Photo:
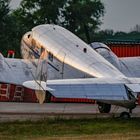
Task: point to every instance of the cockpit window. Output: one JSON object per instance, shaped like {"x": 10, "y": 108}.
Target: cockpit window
{"x": 98, "y": 45}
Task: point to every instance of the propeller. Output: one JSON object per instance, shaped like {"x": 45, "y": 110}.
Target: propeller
{"x": 39, "y": 87}
{"x": 40, "y": 76}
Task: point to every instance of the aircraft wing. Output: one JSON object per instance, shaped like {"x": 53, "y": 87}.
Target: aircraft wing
{"x": 17, "y": 71}
{"x": 107, "y": 90}
{"x": 92, "y": 88}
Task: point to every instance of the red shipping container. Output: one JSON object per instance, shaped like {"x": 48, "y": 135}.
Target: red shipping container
{"x": 125, "y": 50}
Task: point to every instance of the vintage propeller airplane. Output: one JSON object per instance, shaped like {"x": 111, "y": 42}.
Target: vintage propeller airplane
{"x": 56, "y": 62}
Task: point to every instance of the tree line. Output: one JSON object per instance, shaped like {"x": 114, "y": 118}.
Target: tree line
{"x": 82, "y": 17}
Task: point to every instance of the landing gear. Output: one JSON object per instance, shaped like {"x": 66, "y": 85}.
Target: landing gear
{"x": 125, "y": 115}
{"x": 104, "y": 108}
{"x": 48, "y": 97}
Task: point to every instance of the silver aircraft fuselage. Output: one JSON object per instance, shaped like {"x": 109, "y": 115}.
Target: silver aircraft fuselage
{"x": 69, "y": 49}
{"x": 72, "y": 51}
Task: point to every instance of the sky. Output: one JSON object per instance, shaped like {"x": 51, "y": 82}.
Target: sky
{"x": 120, "y": 15}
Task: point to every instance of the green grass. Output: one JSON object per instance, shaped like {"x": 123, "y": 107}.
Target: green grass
{"x": 69, "y": 128}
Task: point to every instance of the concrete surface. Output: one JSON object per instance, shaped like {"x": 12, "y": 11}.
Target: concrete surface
{"x": 10, "y": 111}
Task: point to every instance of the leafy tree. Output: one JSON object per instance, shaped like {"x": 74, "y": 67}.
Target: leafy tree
{"x": 13, "y": 24}
{"x": 119, "y": 36}
{"x": 83, "y": 17}
{"x": 102, "y": 35}
{"x": 80, "y": 16}
{"x": 4, "y": 22}
{"x": 8, "y": 36}
{"x": 35, "y": 12}
{"x": 136, "y": 28}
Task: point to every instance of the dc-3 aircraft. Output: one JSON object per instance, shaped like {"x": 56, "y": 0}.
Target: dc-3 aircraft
{"x": 56, "y": 62}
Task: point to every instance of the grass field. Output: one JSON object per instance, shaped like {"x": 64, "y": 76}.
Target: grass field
{"x": 83, "y": 129}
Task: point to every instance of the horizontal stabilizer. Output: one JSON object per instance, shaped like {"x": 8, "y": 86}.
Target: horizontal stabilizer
{"x": 37, "y": 85}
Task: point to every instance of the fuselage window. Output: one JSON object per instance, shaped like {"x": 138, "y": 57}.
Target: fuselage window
{"x": 85, "y": 50}
{"x": 50, "y": 56}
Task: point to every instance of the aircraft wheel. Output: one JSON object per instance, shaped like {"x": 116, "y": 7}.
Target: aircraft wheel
{"x": 125, "y": 115}
{"x": 48, "y": 97}
{"x": 104, "y": 108}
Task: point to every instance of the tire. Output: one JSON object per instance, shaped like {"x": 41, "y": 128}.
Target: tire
{"x": 125, "y": 115}
{"x": 104, "y": 108}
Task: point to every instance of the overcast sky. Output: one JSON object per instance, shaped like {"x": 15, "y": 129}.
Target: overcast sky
{"x": 121, "y": 15}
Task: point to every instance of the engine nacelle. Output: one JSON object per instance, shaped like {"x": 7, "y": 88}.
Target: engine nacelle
{"x": 106, "y": 52}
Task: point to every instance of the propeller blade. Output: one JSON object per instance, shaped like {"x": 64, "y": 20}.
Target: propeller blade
{"x": 37, "y": 85}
